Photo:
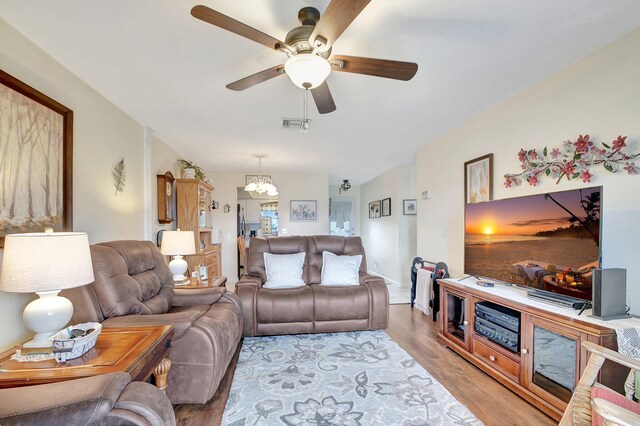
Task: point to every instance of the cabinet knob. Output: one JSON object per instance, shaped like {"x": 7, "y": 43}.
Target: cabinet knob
{"x": 492, "y": 358}
{"x": 523, "y": 351}
{"x": 465, "y": 322}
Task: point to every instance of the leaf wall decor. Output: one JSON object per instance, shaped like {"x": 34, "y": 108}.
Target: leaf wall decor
{"x": 119, "y": 176}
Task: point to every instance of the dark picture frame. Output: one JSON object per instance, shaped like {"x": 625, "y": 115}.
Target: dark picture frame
{"x": 56, "y": 193}
{"x": 386, "y": 207}
{"x": 410, "y": 207}
{"x": 374, "y": 209}
{"x": 478, "y": 179}
{"x": 303, "y": 210}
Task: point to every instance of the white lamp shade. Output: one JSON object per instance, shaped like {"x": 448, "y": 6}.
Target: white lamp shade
{"x": 251, "y": 186}
{"x": 306, "y": 70}
{"x": 178, "y": 243}
{"x": 46, "y": 261}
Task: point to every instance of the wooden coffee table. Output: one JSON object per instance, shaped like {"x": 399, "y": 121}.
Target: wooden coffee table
{"x": 139, "y": 351}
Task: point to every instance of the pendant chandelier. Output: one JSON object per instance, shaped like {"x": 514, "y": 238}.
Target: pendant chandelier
{"x": 261, "y": 184}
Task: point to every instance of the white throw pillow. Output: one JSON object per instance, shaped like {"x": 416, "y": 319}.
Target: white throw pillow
{"x": 340, "y": 270}
{"x": 284, "y": 270}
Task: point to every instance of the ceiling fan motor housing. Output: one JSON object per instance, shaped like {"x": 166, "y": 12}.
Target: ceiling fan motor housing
{"x": 298, "y": 38}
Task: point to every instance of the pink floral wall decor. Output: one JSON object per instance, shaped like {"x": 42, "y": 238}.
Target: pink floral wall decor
{"x": 573, "y": 160}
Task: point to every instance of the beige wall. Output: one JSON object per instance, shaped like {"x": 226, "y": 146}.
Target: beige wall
{"x": 598, "y": 95}
{"x": 103, "y": 134}
{"x": 291, "y": 186}
{"x": 390, "y": 241}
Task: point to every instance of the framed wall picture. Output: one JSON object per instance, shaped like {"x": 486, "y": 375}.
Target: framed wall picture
{"x": 36, "y": 143}
{"x": 303, "y": 210}
{"x": 386, "y": 207}
{"x": 165, "y": 197}
{"x": 478, "y": 179}
{"x": 409, "y": 207}
{"x": 374, "y": 209}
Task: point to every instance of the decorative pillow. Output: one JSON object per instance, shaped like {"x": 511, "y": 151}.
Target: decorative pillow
{"x": 340, "y": 270}
{"x": 283, "y": 270}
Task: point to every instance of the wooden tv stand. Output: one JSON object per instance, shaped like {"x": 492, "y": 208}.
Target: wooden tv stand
{"x": 555, "y": 332}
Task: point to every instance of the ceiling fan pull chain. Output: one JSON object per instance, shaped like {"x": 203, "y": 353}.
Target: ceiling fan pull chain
{"x": 304, "y": 125}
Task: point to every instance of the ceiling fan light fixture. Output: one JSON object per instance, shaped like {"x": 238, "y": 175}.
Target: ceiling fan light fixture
{"x": 306, "y": 70}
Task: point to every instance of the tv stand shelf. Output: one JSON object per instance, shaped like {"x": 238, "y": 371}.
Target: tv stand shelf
{"x": 549, "y": 360}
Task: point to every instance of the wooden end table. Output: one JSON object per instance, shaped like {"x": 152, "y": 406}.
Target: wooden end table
{"x": 209, "y": 283}
{"x": 139, "y": 351}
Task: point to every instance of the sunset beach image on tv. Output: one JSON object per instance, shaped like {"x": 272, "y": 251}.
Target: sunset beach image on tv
{"x": 547, "y": 241}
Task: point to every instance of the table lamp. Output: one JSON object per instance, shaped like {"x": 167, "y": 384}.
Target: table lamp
{"x": 177, "y": 244}
{"x": 46, "y": 263}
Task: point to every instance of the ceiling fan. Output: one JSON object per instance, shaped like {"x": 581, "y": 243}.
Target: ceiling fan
{"x": 308, "y": 48}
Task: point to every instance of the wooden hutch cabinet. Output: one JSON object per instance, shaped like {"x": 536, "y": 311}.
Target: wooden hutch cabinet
{"x": 193, "y": 213}
{"x": 544, "y": 364}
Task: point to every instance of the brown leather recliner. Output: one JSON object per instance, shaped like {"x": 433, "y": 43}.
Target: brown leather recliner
{"x": 312, "y": 308}
{"x": 109, "y": 399}
{"x": 133, "y": 286}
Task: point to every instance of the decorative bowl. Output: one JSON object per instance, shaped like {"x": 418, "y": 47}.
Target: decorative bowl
{"x": 66, "y": 347}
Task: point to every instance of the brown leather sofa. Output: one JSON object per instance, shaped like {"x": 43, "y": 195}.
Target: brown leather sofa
{"x": 133, "y": 286}
{"x": 312, "y": 308}
{"x": 105, "y": 400}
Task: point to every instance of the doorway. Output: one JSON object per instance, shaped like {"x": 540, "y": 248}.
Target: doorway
{"x": 342, "y": 216}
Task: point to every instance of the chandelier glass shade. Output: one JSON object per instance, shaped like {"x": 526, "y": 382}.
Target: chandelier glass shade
{"x": 306, "y": 70}
{"x": 261, "y": 184}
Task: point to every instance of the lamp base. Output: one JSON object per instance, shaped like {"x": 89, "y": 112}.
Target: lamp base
{"x": 46, "y": 316}
{"x": 178, "y": 266}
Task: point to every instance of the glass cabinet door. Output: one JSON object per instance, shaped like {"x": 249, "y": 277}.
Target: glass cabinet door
{"x": 552, "y": 355}
{"x": 455, "y": 324}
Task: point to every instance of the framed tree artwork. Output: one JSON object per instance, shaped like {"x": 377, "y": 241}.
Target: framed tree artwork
{"x": 374, "y": 209}
{"x": 478, "y": 179}
{"x": 36, "y": 160}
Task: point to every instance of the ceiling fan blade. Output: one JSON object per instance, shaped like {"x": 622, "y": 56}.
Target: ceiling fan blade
{"x": 216, "y": 18}
{"x": 376, "y": 67}
{"x": 256, "y": 78}
{"x": 323, "y": 99}
{"x": 335, "y": 19}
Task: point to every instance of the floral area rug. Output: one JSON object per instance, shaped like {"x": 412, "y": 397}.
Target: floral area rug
{"x": 358, "y": 378}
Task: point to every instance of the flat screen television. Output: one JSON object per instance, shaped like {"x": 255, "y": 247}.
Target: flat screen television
{"x": 545, "y": 241}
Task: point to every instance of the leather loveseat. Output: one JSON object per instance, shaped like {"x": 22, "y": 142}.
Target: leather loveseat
{"x": 133, "y": 286}
{"x": 311, "y": 308}
{"x": 109, "y": 399}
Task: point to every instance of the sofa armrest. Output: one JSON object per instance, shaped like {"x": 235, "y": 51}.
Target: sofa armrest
{"x": 83, "y": 401}
{"x": 249, "y": 280}
{"x": 369, "y": 278}
{"x": 142, "y": 401}
{"x": 181, "y": 321}
{"x": 379, "y": 297}
{"x": 197, "y": 296}
{"x": 247, "y": 290}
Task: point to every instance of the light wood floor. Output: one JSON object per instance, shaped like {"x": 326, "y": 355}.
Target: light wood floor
{"x": 415, "y": 333}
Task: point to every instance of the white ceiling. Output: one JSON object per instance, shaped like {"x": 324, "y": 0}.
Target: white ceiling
{"x": 168, "y": 71}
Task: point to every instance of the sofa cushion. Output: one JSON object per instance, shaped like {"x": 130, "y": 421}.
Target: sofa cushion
{"x": 277, "y": 245}
{"x": 340, "y": 303}
{"x": 340, "y": 270}
{"x": 350, "y": 246}
{"x": 285, "y": 305}
{"x": 284, "y": 270}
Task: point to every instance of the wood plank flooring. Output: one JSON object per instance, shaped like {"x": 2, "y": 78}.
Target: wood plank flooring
{"x": 415, "y": 333}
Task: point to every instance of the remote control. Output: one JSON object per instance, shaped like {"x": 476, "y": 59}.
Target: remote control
{"x": 485, "y": 283}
